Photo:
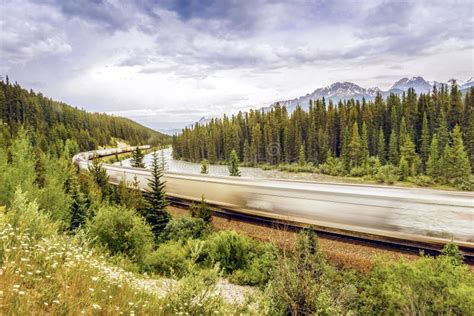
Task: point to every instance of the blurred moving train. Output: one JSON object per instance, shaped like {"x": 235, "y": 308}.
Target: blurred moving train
{"x": 404, "y": 214}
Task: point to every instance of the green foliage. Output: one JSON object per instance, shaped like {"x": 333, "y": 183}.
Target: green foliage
{"x": 154, "y": 211}
{"x": 333, "y": 166}
{"x": 425, "y": 286}
{"x": 186, "y": 227}
{"x": 137, "y": 158}
{"x": 234, "y": 164}
{"x": 388, "y": 174}
{"x": 121, "y": 231}
{"x": 305, "y": 284}
{"x": 78, "y": 207}
{"x": 171, "y": 258}
{"x": 204, "y": 166}
{"x": 100, "y": 178}
{"x": 302, "y": 156}
{"x": 129, "y": 195}
{"x": 26, "y": 217}
{"x": 229, "y": 249}
{"x": 456, "y": 166}
{"x": 201, "y": 210}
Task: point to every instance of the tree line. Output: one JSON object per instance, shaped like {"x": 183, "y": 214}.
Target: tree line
{"x": 53, "y": 122}
{"x": 411, "y": 132}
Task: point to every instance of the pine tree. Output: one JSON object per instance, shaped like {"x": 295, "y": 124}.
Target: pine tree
{"x": 433, "y": 163}
{"x": 456, "y": 166}
{"x": 354, "y": 145}
{"x": 137, "y": 158}
{"x": 364, "y": 145}
{"x": 302, "y": 156}
{"x": 204, "y": 166}
{"x": 78, "y": 207}
{"x": 442, "y": 131}
{"x": 393, "y": 149}
{"x": 425, "y": 142}
{"x": 100, "y": 177}
{"x": 404, "y": 168}
{"x": 381, "y": 154}
{"x": 201, "y": 210}
{"x": 234, "y": 164}
{"x": 455, "y": 109}
{"x": 154, "y": 211}
{"x": 408, "y": 153}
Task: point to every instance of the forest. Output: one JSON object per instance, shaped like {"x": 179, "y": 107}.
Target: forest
{"x": 52, "y": 122}
{"x": 424, "y": 138}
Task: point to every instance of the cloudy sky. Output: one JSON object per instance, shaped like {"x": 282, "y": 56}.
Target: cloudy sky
{"x": 167, "y": 63}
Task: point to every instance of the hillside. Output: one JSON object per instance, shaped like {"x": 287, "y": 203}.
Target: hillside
{"x": 52, "y": 121}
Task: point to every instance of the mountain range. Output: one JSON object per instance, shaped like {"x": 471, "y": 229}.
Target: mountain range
{"x": 348, "y": 90}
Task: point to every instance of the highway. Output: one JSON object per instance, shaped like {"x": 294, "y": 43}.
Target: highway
{"x": 425, "y": 216}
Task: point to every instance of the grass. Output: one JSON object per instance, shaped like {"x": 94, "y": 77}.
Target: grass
{"x": 60, "y": 274}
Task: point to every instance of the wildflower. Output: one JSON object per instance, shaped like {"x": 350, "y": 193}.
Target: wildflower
{"x": 95, "y": 279}
{"x": 45, "y": 304}
{"x": 16, "y": 286}
{"x": 56, "y": 302}
{"x": 96, "y": 306}
{"x": 91, "y": 289}
{"x": 1, "y": 293}
{"x": 22, "y": 293}
{"x": 24, "y": 259}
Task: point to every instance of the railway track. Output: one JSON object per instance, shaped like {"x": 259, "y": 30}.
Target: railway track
{"x": 405, "y": 246}
{"x": 406, "y": 219}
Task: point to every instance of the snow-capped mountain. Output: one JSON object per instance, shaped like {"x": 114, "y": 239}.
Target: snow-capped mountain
{"x": 348, "y": 90}
{"x": 418, "y": 83}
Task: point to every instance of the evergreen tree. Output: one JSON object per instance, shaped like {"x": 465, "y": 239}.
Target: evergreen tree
{"x": 455, "y": 109}
{"x": 456, "y": 165}
{"x": 404, "y": 169}
{"x": 381, "y": 154}
{"x": 408, "y": 153}
{"x": 100, "y": 177}
{"x": 137, "y": 158}
{"x": 433, "y": 163}
{"x": 154, "y": 211}
{"x": 204, "y": 166}
{"x": 393, "y": 149}
{"x": 234, "y": 164}
{"x": 78, "y": 207}
{"x": 355, "y": 145}
{"x": 302, "y": 156}
{"x": 425, "y": 142}
{"x": 442, "y": 131}
{"x": 201, "y": 210}
{"x": 364, "y": 145}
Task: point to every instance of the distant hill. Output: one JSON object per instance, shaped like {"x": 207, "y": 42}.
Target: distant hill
{"x": 52, "y": 121}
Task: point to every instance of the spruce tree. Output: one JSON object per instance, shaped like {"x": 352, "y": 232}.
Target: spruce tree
{"x": 433, "y": 163}
{"x": 381, "y": 154}
{"x": 354, "y": 145}
{"x": 234, "y": 164}
{"x": 425, "y": 142}
{"x": 154, "y": 211}
{"x": 100, "y": 177}
{"x": 137, "y": 158}
{"x": 442, "y": 131}
{"x": 364, "y": 145}
{"x": 78, "y": 206}
{"x": 393, "y": 149}
{"x": 204, "y": 166}
{"x": 302, "y": 156}
{"x": 456, "y": 165}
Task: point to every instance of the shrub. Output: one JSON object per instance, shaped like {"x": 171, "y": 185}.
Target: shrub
{"x": 358, "y": 171}
{"x": 121, "y": 231}
{"x": 201, "y": 210}
{"x": 260, "y": 267}
{"x": 466, "y": 184}
{"x": 422, "y": 180}
{"x": 26, "y": 218}
{"x": 229, "y": 249}
{"x": 186, "y": 228}
{"x": 426, "y": 286}
{"x": 333, "y": 167}
{"x": 387, "y": 174}
{"x": 306, "y": 284}
{"x": 169, "y": 259}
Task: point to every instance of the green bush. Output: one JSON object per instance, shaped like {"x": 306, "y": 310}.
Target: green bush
{"x": 201, "y": 210}
{"x": 305, "y": 284}
{"x": 333, "y": 167}
{"x": 260, "y": 268}
{"x": 229, "y": 249}
{"x": 27, "y": 218}
{"x": 466, "y": 184}
{"x": 186, "y": 228}
{"x": 422, "y": 180}
{"x": 387, "y": 174}
{"x": 426, "y": 286}
{"x": 171, "y": 258}
{"x": 358, "y": 171}
{"x": 121, "y": 231}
